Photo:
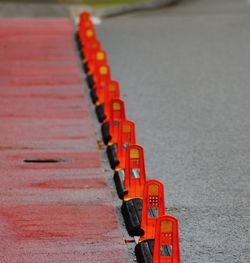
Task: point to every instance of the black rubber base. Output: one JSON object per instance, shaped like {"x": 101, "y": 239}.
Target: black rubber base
{"x": 77, "y": 36}
{"x": 93, "y": 96}
{"x": 79, "y": 45}
{"x": 85, "y": 67}
{"x": 90, "y": 81}
{"x": 131, "y": 211}
{"x": 99, "y": 109}
{"x": 106, "y": 137}
{"x": 144, "y": 251}
{"x": 81, "y": 54}
{"x": 77, "y": 39}
{"x": 111, "y": 152}
{"x": 119, "y": 183}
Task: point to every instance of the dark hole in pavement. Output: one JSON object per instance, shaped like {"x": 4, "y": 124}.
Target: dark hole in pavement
{"x": 44, "y": 161}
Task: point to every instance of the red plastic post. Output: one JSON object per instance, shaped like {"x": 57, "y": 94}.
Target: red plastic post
{"x": 116, "y": 114}
{"x": 87, "y": 36}
{"x": 112, "y": 92}
{"x": 126, "y": 136}
{"x": 84, "y": 24}
{"x": 153, "y": 206}
{"x": 102, "y": 78}
{"x": 97, "y": 59}
{"x": 90, "y": 50}
{"x": 166, "y": 236}
{"x": 84, "y": 16}
{"x": 135, "y": 172}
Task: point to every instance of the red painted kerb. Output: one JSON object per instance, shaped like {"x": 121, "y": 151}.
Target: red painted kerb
{"x": 50, "y": 212}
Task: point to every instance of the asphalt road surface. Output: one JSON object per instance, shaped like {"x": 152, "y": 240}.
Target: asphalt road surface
{"x": 184, "y": 75}
{"x": 185, "y": 78}
{"x": 32, "y": 8}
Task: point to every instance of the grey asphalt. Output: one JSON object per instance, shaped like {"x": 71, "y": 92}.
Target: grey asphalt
{"x": 184, "y": 75}
{"x": 185, "y": 78}
{"x": 32, "y": 8}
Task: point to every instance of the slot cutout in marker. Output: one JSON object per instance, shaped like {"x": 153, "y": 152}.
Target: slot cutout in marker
{"x": 45, "y": 161}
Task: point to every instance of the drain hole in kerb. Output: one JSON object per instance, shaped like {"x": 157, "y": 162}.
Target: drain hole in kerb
{"x": 44, "y": 161}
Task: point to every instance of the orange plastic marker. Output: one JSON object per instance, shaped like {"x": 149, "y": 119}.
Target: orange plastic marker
{"x": 84, "y": 24}
{"x": 103, "y": 77}
{"x": 126, "y": 136}
{"x": 135, "y": 173}
{"x": 90, "y": 50}
{"x": 113, "y": 92}
{"x": 87, "y": 36}
{"x": 116, "y": 114}
{"x": 117, "y": 110}
{"x": 102, "y": 107}
{"x": 153, "y": 206}
{"x": 84, "y": 16}
{"x": 97, "y": 59}
{"x": 166, "y": 243}
{"x": 110, "y": 127}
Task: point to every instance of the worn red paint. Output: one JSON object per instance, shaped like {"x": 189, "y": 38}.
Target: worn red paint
{"x": 60, "y": 222}
{"x": 50, "y": 212}
{"x": 72, "y": 184}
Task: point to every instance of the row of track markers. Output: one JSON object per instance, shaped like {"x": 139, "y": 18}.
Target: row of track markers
{"x": 143, "y": 206}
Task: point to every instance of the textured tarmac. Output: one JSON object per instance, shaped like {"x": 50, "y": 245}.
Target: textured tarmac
{"x": 184, "y": 75}
{"x": 32, "y": 8}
